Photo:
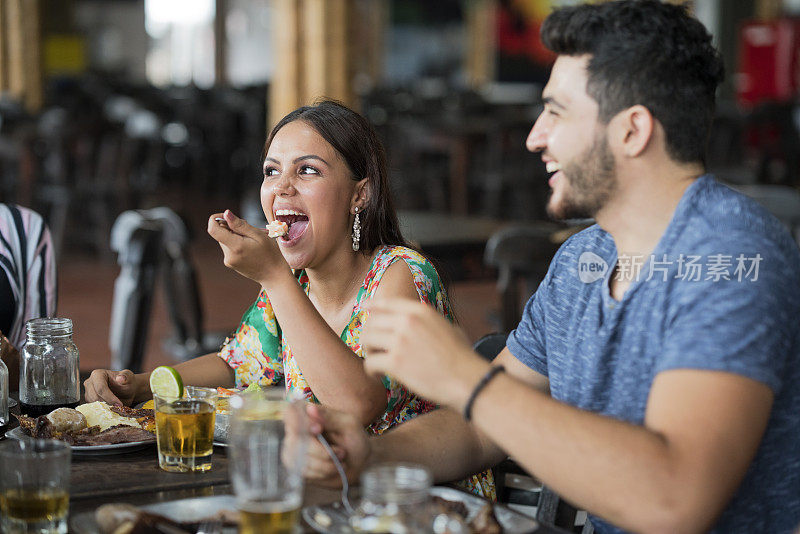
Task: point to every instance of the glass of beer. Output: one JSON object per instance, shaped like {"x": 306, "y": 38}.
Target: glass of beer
{"x": 185, "y": 430}
{"x": 267, "y": 443}
{"x": 34, "y": 486}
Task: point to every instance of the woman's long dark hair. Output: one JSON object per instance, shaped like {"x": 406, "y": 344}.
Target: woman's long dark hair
{"x": 357, "y": 143}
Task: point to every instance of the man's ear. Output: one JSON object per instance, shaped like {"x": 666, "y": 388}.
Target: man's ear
{"x": 632, "y": 129}
{"x": 360, "y": 195}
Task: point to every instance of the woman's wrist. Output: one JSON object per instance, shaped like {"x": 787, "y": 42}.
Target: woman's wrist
{"x": 276, "y": 275}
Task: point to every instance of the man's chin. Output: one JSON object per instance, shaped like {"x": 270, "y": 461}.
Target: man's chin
{"x": 564, "y": 211}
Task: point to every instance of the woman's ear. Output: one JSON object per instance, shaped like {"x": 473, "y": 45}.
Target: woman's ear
{"x": 360, "y": 195}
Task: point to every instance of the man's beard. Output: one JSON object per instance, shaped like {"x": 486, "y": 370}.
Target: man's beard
{"x": 590, "y": 182}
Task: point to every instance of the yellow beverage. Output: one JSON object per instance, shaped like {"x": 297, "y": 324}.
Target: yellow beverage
{"x": 24, "y": 510}
{"x": 268, "y": 517}
{"x": 185, "y": 435}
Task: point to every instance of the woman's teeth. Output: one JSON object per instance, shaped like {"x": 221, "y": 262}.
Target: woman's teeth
{"x": 279, "y": 213}
{"x": 553, "y": 166}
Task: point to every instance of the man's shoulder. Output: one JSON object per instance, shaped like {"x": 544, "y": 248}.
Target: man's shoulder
{"x": 718, "y": 212}
{"x": 720, "y": 220}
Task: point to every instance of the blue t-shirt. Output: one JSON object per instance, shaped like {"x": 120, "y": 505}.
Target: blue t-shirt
{"x": 721, "y": 292}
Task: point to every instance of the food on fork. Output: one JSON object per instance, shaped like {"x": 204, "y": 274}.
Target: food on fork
{"x": 277, "y": 229}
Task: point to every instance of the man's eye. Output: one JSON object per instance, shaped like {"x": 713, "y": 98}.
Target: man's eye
{"x": 308, "y": 169}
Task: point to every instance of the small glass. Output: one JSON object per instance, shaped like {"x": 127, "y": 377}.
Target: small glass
{"x": 394, "y": 498}
{"x": 49, "y": 375}
{"x": 185, "y": 430}
{"x": 268, "y": 439}
{"x": 34, "y": 486}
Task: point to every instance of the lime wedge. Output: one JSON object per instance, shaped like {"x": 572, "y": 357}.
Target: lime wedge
{"x": 166, "y": 382}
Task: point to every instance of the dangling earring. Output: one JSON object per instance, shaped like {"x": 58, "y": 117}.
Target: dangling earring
{"x": 357, "y": 231}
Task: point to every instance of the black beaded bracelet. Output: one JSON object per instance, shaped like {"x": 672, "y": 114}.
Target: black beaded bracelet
{"x": 491, "y": 373}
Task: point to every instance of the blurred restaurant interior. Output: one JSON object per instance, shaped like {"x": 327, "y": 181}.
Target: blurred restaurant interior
{"x": 108, "y": 106}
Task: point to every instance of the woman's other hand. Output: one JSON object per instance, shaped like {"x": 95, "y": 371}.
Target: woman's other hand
{"x": 114, "y": 387}
{"x": 348, "y": 440}
{"x": 247, "y": 250}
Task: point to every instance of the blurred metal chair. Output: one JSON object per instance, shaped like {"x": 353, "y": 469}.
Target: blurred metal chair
{"x": 138, "y": 243}
{"x": 521, "y": 255}
{"x": 149, "y": 241}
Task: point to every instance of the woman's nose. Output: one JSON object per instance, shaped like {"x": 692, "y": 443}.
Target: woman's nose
{"x": 283, "y": 186}
{"x": 537, "y": 138}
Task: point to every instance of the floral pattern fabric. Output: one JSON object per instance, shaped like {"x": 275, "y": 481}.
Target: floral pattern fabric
{"x": 259, "y": 353}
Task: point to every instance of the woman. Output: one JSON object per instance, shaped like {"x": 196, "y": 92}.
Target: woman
{"x": 28, "y": 281}
{"x": 325, "y": 177}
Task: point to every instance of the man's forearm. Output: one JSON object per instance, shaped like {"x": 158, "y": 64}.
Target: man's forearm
{"x": 634, "y": 476}
{"x": 441, "y": 440}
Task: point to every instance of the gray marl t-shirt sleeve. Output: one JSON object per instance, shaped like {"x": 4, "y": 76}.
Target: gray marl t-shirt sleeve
{"x": 527, "y": 341}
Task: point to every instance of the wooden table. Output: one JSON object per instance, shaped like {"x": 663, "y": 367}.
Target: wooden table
{"x": 135, "y": 478}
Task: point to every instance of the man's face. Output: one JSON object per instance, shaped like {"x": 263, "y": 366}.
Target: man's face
{"x": 573, "y": 143}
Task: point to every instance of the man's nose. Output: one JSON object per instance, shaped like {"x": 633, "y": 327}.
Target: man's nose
{"x": 537, "y": 139}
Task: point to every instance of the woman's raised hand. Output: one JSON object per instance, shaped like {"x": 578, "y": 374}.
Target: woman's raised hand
{"x": 247, "y": 249}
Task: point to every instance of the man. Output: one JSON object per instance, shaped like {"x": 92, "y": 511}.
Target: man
{"x": 652, "y": 379}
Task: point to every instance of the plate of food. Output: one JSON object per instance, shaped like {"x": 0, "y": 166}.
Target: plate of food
{"x": 185, "y": 516}
{"x": 92, "y": 428}
{"x": 478, "y": 515}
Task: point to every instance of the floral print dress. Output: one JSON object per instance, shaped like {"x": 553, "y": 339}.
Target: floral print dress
{"x": 259, "y": 353}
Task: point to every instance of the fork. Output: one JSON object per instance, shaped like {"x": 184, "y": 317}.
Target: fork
{"x": 340, "y": 469}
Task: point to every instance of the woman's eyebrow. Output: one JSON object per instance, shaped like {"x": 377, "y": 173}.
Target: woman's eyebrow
{"x": 311, "y": 156}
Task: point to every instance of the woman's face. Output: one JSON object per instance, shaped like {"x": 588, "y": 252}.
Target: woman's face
{"x": 308, "y": 186}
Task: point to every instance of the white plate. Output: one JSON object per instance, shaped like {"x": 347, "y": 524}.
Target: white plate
{"x": 184, "y": 510}
{"x": 333, "y": 519}
{"x": 115, "y": 448}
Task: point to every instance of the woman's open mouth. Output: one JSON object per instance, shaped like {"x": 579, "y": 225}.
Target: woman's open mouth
{"x": 296, "y": 221}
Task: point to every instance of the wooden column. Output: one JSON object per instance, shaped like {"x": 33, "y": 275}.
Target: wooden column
{"x": 20, "y": 51}
{"x": 480, "y": 15}
{"x": 314, "y": 62}
{"x": 3, "y": 48}
{"x": 287, "y": 86}
{"x": 768, "y": 9}
{"x": 220, "y": 43}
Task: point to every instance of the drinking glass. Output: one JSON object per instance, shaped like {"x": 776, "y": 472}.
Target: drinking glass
{"x": 267, "y": 442}
{"x": 34, "y": 486}
{"x": 185, "y": 430}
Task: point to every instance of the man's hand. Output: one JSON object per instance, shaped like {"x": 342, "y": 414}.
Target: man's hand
{"x": 347, "y": 439}
{"x": 412, "y": 342}
{"x": 247, "y": 250}
{"x": 114, "y": 387}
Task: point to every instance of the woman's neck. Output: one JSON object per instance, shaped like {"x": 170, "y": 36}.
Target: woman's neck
{"x": 335, "y": 282}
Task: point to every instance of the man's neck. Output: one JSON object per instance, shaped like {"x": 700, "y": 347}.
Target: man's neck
{"x": 644, "y": 205}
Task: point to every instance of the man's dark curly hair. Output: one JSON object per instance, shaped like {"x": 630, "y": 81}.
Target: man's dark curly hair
{"x": 649, "y": 53}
